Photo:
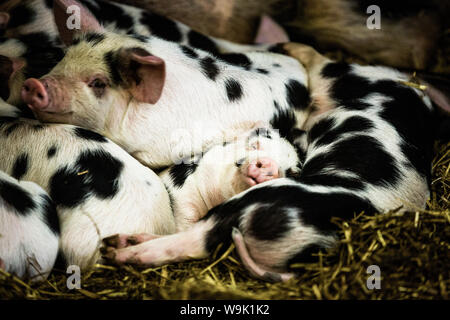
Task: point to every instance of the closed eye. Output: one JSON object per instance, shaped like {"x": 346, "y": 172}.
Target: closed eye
{"x": 98, "y": 85}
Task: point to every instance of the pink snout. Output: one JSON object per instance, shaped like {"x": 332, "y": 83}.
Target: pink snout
{"x": 261, "y": 170}
{"x": 34, "y": 94}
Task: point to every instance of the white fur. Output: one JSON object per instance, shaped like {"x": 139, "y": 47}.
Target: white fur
{"x": 218, "y": 178}
{"x": 28, "y": 247}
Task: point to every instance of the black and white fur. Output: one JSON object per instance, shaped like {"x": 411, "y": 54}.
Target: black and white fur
{"x": 370, "y": 153}
{"x": 98, "y": 189}
{"x": 29, "y": 229}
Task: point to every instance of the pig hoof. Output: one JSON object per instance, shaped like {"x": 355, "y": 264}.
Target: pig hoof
{"x": 261, "y": 170}
{"x": 120, "y": 241}
{"x": 138, "y": 238}
{"x": 112, "y": 241}
{"x": 108, "y": 253}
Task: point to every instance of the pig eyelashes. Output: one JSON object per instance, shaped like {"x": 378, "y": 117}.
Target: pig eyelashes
{"x": 98, "y": 85}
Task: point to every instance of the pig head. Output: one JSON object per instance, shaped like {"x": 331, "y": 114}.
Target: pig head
{"x": 62, "y": 95}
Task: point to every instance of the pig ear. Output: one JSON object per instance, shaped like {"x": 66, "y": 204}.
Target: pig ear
{"x": 438, "y": 89}
{"x": 72, "y": 17}
{"x": 4, "y": 19}
{"x": 145, "y": 74}
{"x": 270, "y": 32}
{"x": 8, "y": 66}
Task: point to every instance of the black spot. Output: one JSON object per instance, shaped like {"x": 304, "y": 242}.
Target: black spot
{"x": 108, "y": 13}
{"x": 320, "y": 128}
{"x": 268, "y": 226}
{"x": 350, "y": 87}
{"x": 161, "y": 27}
{"x": 358, "y": 105}
{"x": 94, "y": 38}
{"x": 413, "y": 121}
{"x": 50, "y": 214}
{"x": 20, "y": 167}
{"x": 180, "y": 172}
{"x": 113, "y": 66}
{"x": 16, "y": 197}
{"x": 335, "y": 70}
{"x": 236, "y": 59}
{"x": 52, "y": 152}
{"x": 283, "y": 120}
{"x": 209, "y": 68}
{"x": 89, "y": 135}
{"x": 93, "y": 173}
{"x": 361, "y": 155}
{"x": 263, "y": 71}
{"x": 189, "y": 52}
{"x": 199, "y": 41}
{"x": 234, "y": 90}
{"x": 41, "y": 54}
{"x": 331, "y": 180}
{"x": 313, "y": 209}
{"x": 276, "y": 65}
{"x": 278, "y": 48}
{"x": 297, "y": 95}
{"x": 21, "y": 15}
{"x": 352, "y": 124}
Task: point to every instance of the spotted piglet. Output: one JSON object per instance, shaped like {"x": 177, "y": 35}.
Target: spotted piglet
{"x": 368, "y": 149}
{"x": 150, "y": 95}
{"x": 29, "y": 229}
{"x": 198, "y": 184}
{"x": 98, "y": 189}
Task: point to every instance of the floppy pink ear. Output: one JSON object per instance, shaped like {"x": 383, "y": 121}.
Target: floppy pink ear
{"x": 438, "y": 89}
{"x": 68, "y": 13}
{"x": 150, "y": 75}
{"x": 4, "y": 19}
{"x": 270, "y": 32}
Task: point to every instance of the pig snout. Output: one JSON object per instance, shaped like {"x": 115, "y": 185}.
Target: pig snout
{"x": 261, "y": 170}
{"x": 34, "y": 94}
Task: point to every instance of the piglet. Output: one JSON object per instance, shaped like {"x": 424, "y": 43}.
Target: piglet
{"x": 158, "y": 99}
{"x": 198, "y": 184}
{"x": 98, "y": 189}
{"x": 29, "y": 229}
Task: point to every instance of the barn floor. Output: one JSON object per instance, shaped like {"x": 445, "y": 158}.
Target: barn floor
{"x": 412, "y": 251}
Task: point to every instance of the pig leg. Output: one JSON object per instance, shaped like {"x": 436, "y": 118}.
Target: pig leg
{"x": 270, "y": 220}
{"x": 167, "y": 249}
{"x": 120, "y": 241}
